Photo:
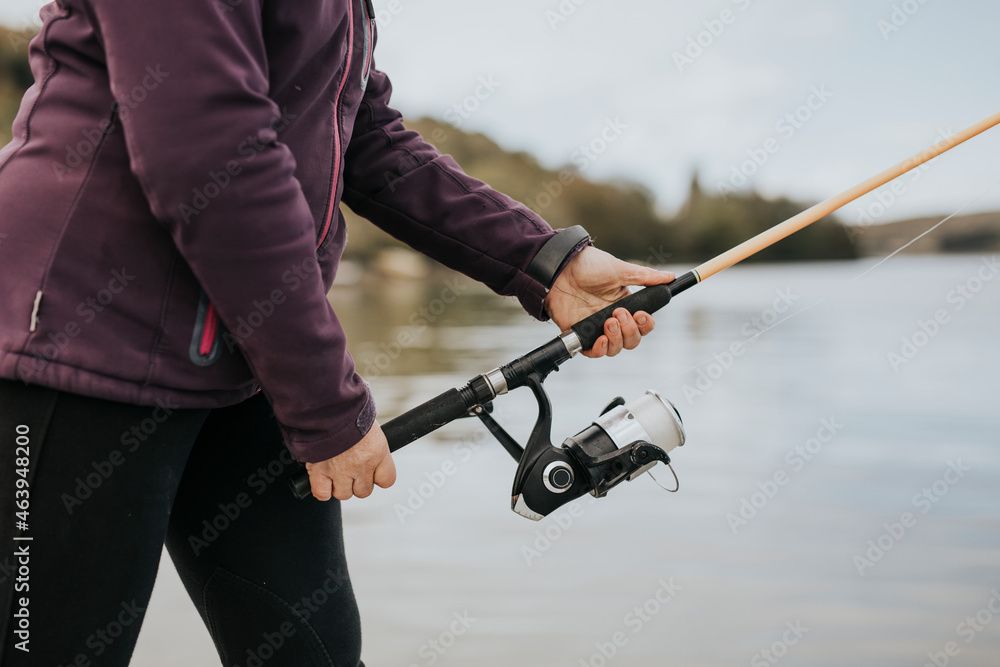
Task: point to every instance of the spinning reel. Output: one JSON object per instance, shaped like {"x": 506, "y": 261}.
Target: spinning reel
{"x": 627, "y": 440}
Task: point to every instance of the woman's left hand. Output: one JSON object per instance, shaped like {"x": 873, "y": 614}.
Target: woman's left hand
{"x": 591, "y": 281}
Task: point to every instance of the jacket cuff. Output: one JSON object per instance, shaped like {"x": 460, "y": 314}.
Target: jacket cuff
{"x": 533, "y": 295}
{"x": 313, "y": 450}
{"x": 550, "y": 259}
{"x": 534, "y": 284}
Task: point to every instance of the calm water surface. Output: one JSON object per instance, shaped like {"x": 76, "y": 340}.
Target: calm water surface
{"x": 440, "y": 546}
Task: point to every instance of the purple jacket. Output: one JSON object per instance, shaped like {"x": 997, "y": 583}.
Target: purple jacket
{"x": 169, "y": 222}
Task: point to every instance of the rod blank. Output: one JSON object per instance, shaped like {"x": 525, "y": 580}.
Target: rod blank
{"x": 809, "y": 216}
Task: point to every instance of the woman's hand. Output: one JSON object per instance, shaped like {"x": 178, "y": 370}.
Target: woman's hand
{"x": 591, "y": 281}
{"x": 356, "y": 471}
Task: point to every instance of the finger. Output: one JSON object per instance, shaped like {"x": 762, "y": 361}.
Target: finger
{"x": 645, "y": 322}
{"x": 385, "y": 473}
{"x": 634, "y": 274}
{"x": 629, "y": 329}
{"x": 599, "y": 349}
{"x": 321, "y": 486}
{"x": 363, "y": 485}
{"x": 613, "y": 330}
{"x": 343, "y": 488}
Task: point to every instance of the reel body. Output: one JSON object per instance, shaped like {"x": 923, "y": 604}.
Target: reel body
{"x": 624, "y": 442}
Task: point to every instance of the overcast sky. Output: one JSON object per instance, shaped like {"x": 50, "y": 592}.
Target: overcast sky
{"x": 883, "y": 83}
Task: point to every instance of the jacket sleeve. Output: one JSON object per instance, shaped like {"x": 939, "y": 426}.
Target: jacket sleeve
{"x": 403, "y": 185}
{"x": 212, "y": 113}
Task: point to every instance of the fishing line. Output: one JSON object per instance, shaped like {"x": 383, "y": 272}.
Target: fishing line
{"x": 826, "y": 298}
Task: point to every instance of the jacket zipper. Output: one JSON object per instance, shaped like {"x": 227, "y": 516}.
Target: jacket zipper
{"x": 336, "y": 126}
{"x": 211, "y": 316}
{"x": 369, "y": 21}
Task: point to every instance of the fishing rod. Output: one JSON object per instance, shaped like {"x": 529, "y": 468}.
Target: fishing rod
{"x": 627, "y": 439}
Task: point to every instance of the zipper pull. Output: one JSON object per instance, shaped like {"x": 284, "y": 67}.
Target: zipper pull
{"x": 34, "y": 312}
{"x": 371, "y": 10}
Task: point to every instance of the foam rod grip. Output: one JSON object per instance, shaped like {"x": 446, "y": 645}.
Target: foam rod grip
{"x": 648, "y": 299}
{"x": 426, "y": 417}
{"x": 404, "y": 429}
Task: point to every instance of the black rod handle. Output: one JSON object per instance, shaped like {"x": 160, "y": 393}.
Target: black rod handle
{"x": 648, "y": 299}
{"x": 404, "y": 429}
{"x": 425, "y": 418}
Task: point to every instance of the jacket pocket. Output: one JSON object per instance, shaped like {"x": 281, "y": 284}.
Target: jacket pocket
{"x": 206, "y": 340}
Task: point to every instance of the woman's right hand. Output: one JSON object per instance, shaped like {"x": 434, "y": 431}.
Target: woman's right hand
{"x": 356, "y": 471}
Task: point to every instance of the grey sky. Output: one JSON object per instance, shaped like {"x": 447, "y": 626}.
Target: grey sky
{"x": 554, "y": 84}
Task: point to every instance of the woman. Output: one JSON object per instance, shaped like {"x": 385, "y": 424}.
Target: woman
{"x": 170, "y": 210}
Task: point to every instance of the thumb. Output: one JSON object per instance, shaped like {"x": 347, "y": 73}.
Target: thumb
{"x": 320, "y": 485}
{"x": 633, "y": 274}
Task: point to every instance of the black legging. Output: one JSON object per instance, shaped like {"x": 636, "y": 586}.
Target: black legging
{"x": 110, "y": 483}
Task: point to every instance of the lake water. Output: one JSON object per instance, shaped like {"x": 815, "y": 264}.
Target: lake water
{"x": 875, "y": 405}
